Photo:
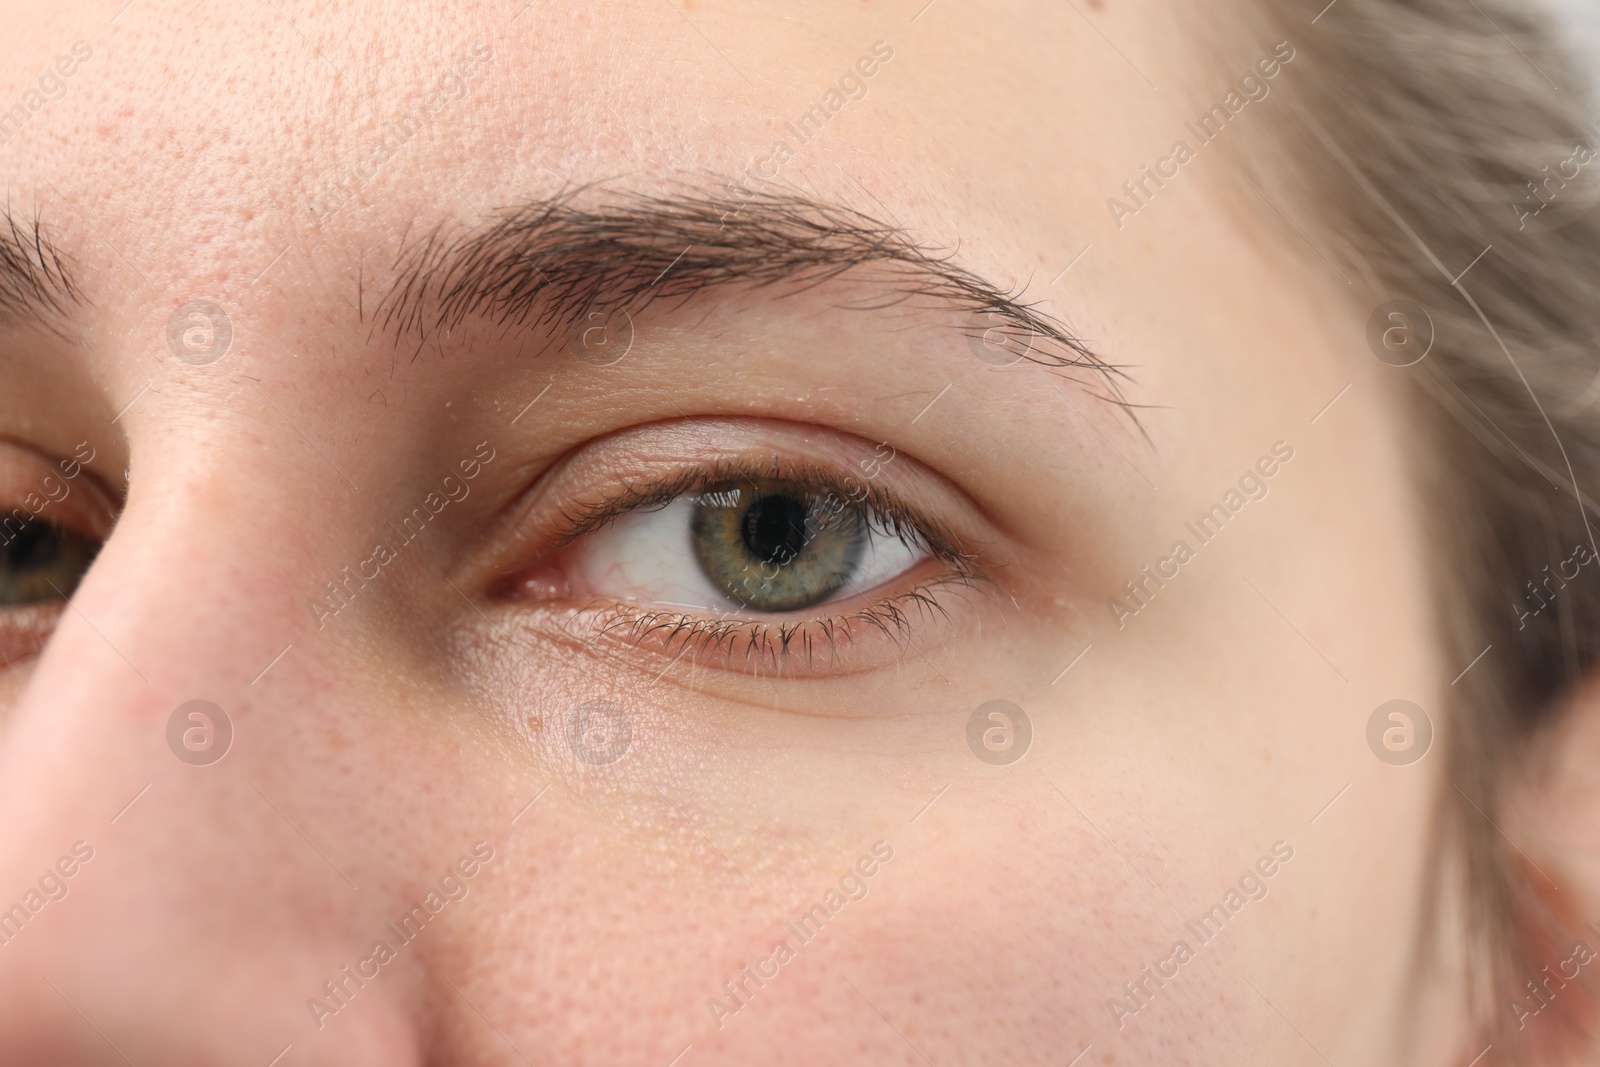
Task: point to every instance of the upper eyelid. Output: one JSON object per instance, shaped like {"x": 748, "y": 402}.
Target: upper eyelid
{"x": 880, "y": 501}
{"x": 84, "y": 504}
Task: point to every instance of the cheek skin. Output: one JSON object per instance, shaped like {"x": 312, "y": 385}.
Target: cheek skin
{"x": 691, "y": 925}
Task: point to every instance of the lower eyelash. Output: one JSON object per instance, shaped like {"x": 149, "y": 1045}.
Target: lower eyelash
{"x": 777, "y": 645}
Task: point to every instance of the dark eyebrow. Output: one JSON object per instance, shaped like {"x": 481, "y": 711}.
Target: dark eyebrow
{"x": 549, "y": 264}
{"x": 35, "y": 285}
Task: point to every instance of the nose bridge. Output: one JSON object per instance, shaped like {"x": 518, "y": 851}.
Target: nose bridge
{"x": 190, "y": 599}
{"x": 151, "y": 884}
{"x": 182, "y": 603}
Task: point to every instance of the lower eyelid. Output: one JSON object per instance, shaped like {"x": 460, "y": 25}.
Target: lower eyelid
{"x": 25, "y": 630}
{"x": 859, "y": 637}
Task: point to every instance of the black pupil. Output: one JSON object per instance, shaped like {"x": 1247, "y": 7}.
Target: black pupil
{"x": 39, "y": 545}
{"x": 775, "y": 528}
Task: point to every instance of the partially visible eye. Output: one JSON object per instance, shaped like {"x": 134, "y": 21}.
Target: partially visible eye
{"x": 42, "y": 561}
{"x": 765, "y": 545}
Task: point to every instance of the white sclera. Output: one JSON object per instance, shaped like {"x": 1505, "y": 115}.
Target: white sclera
{"x": 648, "y": 556}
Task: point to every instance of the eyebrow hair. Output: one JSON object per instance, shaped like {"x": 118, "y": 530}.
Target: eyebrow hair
{"x": 35, "y": 285}
{"x": 551, "y": 263}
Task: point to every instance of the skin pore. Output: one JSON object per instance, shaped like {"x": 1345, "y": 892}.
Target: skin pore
{"x": 384, "y": 726}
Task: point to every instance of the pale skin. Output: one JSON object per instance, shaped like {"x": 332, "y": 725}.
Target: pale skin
{"x": 425, "y": 715}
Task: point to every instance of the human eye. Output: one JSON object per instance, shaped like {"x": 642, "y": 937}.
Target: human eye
{"x": 42, "y": 560}
{"x": 53, "y": 520}
{"x": 744, "y": 544}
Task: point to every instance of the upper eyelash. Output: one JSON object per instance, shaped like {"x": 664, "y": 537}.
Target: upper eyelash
{"x": 884, "y": 509}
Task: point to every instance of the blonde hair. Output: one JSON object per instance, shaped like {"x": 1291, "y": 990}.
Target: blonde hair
{"x": 1442, "y": 153}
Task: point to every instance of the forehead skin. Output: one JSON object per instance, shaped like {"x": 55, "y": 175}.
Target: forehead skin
{"x": 190, "y": 158}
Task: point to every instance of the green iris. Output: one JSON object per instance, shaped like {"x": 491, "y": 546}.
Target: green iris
{"x": 41, "y": 561}
{"x": 777, "y": 546}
